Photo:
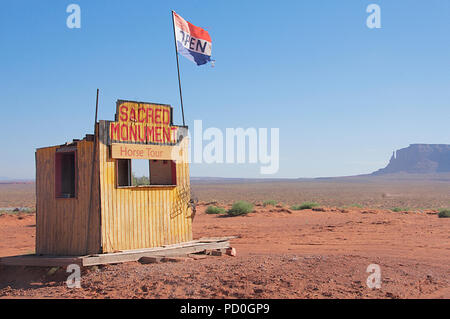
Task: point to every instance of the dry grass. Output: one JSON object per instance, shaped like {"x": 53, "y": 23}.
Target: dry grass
{"x": 366, "y": 192}
{"x": 375, "y": 192}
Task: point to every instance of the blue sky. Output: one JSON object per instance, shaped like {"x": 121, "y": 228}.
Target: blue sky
{"x": 344, "y": 96}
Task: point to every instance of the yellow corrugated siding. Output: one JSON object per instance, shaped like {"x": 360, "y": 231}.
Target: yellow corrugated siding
{"x": 61, "y": 223}
{"x": 134, "y": 218}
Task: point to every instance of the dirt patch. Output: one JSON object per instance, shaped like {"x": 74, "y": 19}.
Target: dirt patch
{"x": 259, "y": 276}
{"x": 280, "y": 254}
{"x": 17, "y": 234}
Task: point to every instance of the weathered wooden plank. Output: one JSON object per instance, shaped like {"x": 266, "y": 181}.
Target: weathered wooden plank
{"x": 40, "y": 261}
{"x": 187, "y": 243}
{"x": 119, "y": 257}
{"x": 128, "y": 256}
{"x": 215, "y": 239}
{"x": 62, "y": 225}
{"x": 164, "y": 248}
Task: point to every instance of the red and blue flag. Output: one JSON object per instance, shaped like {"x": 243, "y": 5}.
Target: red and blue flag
{"x": 193, "y": 42}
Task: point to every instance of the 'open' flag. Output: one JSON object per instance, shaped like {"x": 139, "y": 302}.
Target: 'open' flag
{"x": 192, "y": 42}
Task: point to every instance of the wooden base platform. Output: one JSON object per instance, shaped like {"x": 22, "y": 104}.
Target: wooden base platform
{"x": 181, "y": 249}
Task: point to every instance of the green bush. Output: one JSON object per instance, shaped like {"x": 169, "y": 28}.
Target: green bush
{"x": 215, "y": 210}
{"x": 270, "y": 202}
{"x": 399, "y": 209}
{"x": 140, "y": 181}
{"x": 444, "y": 213}
{"x": 240, "y": 208}
{"x": 305, "y": 205}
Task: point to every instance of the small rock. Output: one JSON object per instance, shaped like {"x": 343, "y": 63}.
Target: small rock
{"x": 214, "y": 252}
{"x": 390, "y": 295}
{"x": 231, "y": 251}
{"x": 174, "y": 259}
{"x": 150, "y": 260}
{"x": 197, "y": 257}
{"x": 52, "y": 271}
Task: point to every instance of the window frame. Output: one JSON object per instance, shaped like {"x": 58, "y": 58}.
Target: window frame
{"x": 130, "y": 171}
{"x": 58, "y": 173}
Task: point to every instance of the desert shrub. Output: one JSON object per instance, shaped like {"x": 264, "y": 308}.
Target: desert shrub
{"x": 17, "y": 210}
{"x": 399, "y": 209}
{"x": 240, "y": 208}
{"x": 305, "y": 205}
{"x": 270, "y": 202}
{"x": 215, "y": 210}
{"x": 444, "y": 213}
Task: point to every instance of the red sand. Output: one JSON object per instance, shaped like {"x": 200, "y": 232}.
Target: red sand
{"x": 302, "y": 254}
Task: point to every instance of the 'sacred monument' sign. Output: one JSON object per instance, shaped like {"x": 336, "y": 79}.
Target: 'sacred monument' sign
{"x": 143, "y": 123}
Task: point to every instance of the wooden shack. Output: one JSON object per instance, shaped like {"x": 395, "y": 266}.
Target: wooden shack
{"x": 86, "y": 200}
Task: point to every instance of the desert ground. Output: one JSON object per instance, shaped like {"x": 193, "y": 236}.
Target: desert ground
{"x": 281, "y": 253}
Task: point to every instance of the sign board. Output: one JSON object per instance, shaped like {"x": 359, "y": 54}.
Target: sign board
{"x": 143, "y": 123}
{"x": 139, "y": 151}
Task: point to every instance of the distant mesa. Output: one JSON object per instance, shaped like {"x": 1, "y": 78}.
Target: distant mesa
{"x": 8, "y": 180}
{"x": 419, "y": 159}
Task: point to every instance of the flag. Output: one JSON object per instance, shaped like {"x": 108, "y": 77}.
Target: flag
{"x": 193, "y": 42}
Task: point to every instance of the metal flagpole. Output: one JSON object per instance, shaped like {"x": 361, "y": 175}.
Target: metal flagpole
{"x": 94, "y": 157}
{"x": 178, "y": 68}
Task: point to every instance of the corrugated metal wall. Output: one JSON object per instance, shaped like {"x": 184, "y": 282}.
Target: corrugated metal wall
{"x": 134, "y": 218}
{"x": 62, "y": 223}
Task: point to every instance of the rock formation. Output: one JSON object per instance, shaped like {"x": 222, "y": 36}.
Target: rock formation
{"x": 419, "y": 159}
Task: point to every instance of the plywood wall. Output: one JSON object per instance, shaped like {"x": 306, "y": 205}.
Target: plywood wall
{"x": 134, "y": 218}
{"x": 62, "y": 225}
